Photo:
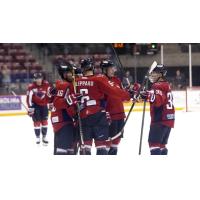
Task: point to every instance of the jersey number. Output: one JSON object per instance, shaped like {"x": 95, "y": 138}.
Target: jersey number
{"x": 170, "y": 101}
{"x": 85, "y": 97}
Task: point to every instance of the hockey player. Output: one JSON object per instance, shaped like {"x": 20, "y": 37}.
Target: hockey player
{"x": 37, "y": 101}
{"x": 161, "y": 110}
{"x": 63, "y": 111}
{"x": 93, "y": 116}
{"x": 114, "y": 106}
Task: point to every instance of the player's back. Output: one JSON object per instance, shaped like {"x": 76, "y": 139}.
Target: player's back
{"x": 94, "y": 88}
{"x": 163, "y": 113}
{"x": 92, "y": 94}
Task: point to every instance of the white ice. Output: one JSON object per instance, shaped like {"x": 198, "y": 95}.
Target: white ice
{"x": 17, "y": 136}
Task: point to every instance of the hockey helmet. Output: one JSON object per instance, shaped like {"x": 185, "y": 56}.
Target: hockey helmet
{"x": 64, "y": 68}
{"x": 106, "y": 63}
{"x": 158, "y": 72}
{"x": 108, "y": 67}
{"x": 160, "y": 69}
{"x": 37, "y": 75}
{"x": 87, "y": 64}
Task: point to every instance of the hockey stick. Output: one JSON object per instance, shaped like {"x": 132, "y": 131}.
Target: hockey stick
{"x": 118, "y": 60}
{"x": 144, "y": 108}
{"x": 14, "y": 94}
{"x": 133, "y": 104}
{"x": 79, "y": 117}
{"x": 121, "y": 67}
{"x": 142, "y": 125}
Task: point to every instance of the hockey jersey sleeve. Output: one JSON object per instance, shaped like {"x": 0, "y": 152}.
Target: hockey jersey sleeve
{"x": 111, "y": 89}
{"x": 63, "y": 89}
{"x": 29, "y": 96}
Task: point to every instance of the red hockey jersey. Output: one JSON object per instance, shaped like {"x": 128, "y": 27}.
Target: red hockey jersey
{"x": 38, "y": 94}
{"x": 161, "y": 104}
{"x": 94, "y": 88}
{"x": 115, "y": 105}
{"x": 62, "y": 113}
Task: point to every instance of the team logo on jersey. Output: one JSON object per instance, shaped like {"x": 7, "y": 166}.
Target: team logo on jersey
{"x": 170, "y": 116}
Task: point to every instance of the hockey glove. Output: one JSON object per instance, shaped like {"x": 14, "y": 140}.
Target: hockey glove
{"x": 50, "y": 106}
{"x": 147, "y": 95}
{"x": 134, "y": 91}
{"x": 73, "y": 99}
{"x": 108, "y": 117}
{"x": 31, "y": 111}
{"x": 51, "y": 92}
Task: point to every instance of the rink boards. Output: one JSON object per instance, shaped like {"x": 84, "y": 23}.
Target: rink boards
{"x": 11, "y": 106}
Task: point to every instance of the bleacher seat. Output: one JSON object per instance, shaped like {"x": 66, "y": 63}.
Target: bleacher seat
{"x": 76, "y": 59}
{"x": 15, "y": 57}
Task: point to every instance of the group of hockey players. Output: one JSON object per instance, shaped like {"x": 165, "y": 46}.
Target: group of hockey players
{"x": 87, "y": 108}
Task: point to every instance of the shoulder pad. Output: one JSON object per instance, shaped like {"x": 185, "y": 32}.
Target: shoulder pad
{"x": 61, "y": 84}
{"x": 31, "y": 85}
{"x": 100, "y": 75}
{"x": 116, "y": 79}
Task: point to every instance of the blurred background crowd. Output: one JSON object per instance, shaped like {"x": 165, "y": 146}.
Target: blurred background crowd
{"x": 18, "y": 62}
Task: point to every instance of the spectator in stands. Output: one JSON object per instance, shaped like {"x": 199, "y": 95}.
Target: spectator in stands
{"x": 23, "y": 76}
{"x": 179, "y": 80}
{"x": 15, "y": 80}
{"x": 127, "y": 79}
{"x": 6, "y": 80}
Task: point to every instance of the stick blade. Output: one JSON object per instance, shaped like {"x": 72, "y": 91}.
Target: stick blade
{"x": 13, "y": 93}
{"x": 154, "y": 64}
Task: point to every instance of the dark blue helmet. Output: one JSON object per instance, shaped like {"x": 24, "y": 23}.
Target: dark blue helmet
{"x": 63, "y": 68}
{"x": 37, "y": 75}
{"x": 87, "y": 64}
{"x": 106, "y": 64}
{"x": 78, "y": 71}
{"x": 160, "y": 68}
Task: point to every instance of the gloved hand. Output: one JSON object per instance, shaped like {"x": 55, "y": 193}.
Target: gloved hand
{"x": 136, "y": 87}
{"x": 75, "y": 123}
{"x": 31, "y": 111}
{"x": 134, "y": 90}
{"x": 108, "y": 117}
{"x": 50, "y": 106}
{"x": 73, "y": 99}
{"x": 147, "y": 95}
{"x": 51, "y": 91}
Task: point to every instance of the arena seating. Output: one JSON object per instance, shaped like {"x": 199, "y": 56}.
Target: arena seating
{"x": 75, "y": 59}
{"x": 19, "y": 61}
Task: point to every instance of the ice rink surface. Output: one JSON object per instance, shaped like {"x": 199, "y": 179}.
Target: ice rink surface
{"x": 18, "y": 133}
{"x": 28, "y": 170}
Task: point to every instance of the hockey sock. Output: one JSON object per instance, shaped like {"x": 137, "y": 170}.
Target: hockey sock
{"x": 155, "y": 151}
{"x": 164, "y": 151}
{"x": 37, "y": 131}
{"x": 112, "y": 151}
{"x": 44, "y": 131}
{"x": 101, "y": 151}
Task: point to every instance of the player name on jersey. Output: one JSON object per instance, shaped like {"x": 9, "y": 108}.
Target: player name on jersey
{"x": 85, "y": 83}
